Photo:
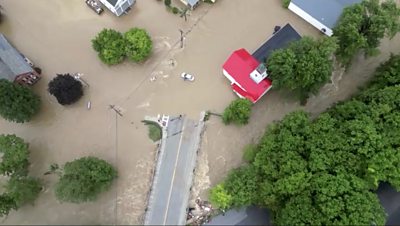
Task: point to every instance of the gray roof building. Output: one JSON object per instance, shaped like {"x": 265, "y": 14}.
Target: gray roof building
{"x": 191, "y": 3}
{"x": 12, "y": 64}
{"x": 322, "y": 14}
{"x": 118, "y": 7}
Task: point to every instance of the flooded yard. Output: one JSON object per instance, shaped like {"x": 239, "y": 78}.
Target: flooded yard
{"x": 56, "y": 35}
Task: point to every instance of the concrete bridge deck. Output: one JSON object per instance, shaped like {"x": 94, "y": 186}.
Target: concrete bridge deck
{"x": 174, "y": 172}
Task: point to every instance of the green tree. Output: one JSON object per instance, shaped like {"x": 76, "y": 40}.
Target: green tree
{"x": 363, "y": 25}
{"x": 304, "y": 66}
{"x": 220, "y": 198}
{"x": 238, "y": 112}
{"x": 243, "y": 182}
{"x": 23, "y": 190}
{"x": 15, "y": 159}
{"x": 17, "y": 103}
{"x": 6, "y": 205}
{"x": 324, "y": 171}
{"x": 110, "y": 46}
{"x": 138, "y": 44}
{"x": 66, "y": 89}
{"x": 83, "y": 179}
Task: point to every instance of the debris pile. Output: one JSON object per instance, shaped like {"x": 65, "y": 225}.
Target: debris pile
{"x": 199, "y": 213}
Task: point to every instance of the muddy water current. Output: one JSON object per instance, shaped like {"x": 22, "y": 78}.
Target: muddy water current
{"x": 56, "y": 34}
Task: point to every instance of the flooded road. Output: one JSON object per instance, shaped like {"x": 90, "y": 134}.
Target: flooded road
{"x": 56, "y": 35}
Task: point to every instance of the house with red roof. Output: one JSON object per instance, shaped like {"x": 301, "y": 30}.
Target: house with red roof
{"x": 247, "y": 76}
{"x": 247, "y": 73}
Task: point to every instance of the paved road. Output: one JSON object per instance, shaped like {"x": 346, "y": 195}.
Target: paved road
{"x": 171, "y": 186}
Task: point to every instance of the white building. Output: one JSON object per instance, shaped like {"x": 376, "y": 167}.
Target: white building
{"x": 118, "y": 7}
{"x": 322, "y": 14}
{"x": 194, "y": 3}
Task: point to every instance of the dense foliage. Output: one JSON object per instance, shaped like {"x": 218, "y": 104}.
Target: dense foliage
{"x": 15, "y": 155}
{"x": 304, "y": 66}
{"x": 66, "y": 89}
{"x": 23, "y": 190}
{"x": 20, "y": 189}
{"x": 237, "y": 112}
{"x": 138, "y": 44}
{"x": 83, "y": 179}
{"x": 7, "y": 204}
{"x": 363, "y": 25}
{"x": 110, "y": 46}
{"x": 17, "y": 103}
{"x": 324, "y": 171}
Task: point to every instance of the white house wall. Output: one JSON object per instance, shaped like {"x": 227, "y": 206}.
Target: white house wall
{"x": 307, "y": 17}
{"x": 108, "y": 5}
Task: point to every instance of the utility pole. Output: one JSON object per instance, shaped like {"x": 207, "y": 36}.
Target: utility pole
{"x": 112, "y": 106}
{"x": 180, "y": 30}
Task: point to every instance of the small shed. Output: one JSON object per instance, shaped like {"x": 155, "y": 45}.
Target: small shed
{"x": 118, "y": 7}
{"x": 14, "y": 66}
{"x": 322, "y": 14}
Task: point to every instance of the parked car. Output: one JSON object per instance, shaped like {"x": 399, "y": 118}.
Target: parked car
{"x": 95, "y": 6}
{"x": 187, "y": 77}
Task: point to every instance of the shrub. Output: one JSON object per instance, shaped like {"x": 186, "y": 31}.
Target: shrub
{"x": 17, "y": 103}
{"x": 175, "y": 10}
{"x": 167, "y": 3}
{"x": 138, "y": 44}
{"x": 238, "y": 112}
{"x": 285, "y": 3}
{"x": 249, "y": 152}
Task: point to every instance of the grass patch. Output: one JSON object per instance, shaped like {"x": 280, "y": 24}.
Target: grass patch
{"x": 155, "y": 132}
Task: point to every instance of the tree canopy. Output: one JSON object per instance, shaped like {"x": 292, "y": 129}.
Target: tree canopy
{"x": 138, "y": 44}
{"x": 83, "y": 179}
{"x": 23, "y": 190}
{"x": 7, "y": 204}
{"x": 17, "y": 103}
{"x": 20, "y": 188}
{"x": 304, "y": 66}
{"x": 110, "y": 46}
{"x": 66, "y": 89}
{"x": 363, "y": 25}
{"x": 237, "y": 112}
{"x": 324, "y": 171}
{"x": 15, "y": 159}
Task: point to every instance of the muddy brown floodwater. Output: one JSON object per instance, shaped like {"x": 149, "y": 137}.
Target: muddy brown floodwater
{"x": 56, "y": 35}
